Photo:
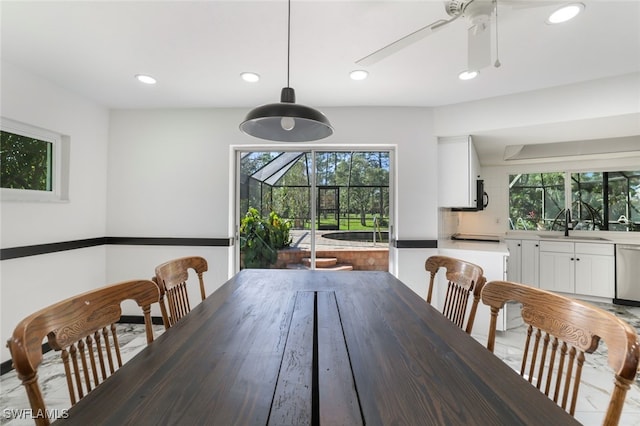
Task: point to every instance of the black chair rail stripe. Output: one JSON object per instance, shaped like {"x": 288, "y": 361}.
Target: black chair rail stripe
{"x": 34, "y": 250}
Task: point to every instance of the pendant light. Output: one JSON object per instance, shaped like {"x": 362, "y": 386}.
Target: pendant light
{"x": 286, "y": 121}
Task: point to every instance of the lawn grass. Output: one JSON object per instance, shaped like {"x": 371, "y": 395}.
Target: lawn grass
{"x": 346, "y": 224}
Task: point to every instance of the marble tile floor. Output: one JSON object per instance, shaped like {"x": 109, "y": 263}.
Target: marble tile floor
{"x": 597, "y": 376}
{"x": 596, "y": 385}
{"x": 13, "y": 396}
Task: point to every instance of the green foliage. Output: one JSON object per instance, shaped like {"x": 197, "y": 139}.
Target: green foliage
{"x": 25, "y": 161}
{"x": 535, "y": 200}
{"x": 261, "y": 238}
{"x": 599, "y": 200}
{"x": 362, "y": 179}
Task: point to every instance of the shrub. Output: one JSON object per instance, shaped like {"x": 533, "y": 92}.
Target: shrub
{"x": 261, "y": 238}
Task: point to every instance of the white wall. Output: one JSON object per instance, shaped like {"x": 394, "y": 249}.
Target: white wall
{"x": 169, "y": 174}
{"x": 30, "y": 283}
{"x": 578, "y": 105}
{"x": 609, "y": 97}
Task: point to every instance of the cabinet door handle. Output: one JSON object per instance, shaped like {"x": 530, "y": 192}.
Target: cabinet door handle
{"x": 577, "y": 258}
{"x": 572, "y": 259}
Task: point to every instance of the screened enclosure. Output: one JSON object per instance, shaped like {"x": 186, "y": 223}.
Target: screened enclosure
{"x": 600, "y": 201}
{"x": 352, "y": 188}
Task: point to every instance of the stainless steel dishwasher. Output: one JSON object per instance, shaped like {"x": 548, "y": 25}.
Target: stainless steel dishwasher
{"x": 627, "y": 274}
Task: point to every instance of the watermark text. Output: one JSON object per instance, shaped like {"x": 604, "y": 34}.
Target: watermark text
{"x": 29, "y": 414}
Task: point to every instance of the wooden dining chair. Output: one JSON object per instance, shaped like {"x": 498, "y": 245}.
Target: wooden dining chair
{"x": 171, "y": 278}
{"x": 464, "y": 279}
{"x": 83, "y": 329}
{"x": 560, "y": 330}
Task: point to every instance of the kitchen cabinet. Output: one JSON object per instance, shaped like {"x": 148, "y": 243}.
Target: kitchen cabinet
{"x": 493, "y": 264}
{"x": 595, "y": 269}
{"x": 523, "y": 262}
{"x": 514, "y": 261}
{"x": 579, "y": 268}
{"x": 458, "y": 172}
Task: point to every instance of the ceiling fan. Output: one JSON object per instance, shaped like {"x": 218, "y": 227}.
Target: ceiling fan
{"x": 479, "y": 15}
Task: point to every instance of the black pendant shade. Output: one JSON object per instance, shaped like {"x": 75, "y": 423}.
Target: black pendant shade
{"x": 286, "y": 121}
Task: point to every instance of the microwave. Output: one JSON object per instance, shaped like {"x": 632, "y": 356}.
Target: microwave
{"x": 482, "y": 199}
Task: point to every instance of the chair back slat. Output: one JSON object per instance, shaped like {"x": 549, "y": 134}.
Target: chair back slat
{"x": 560, "y": 331}
{"x": 171, "y": 277}
{"x": 83, "y": 329}
{"x": 464, "y": 280}
{"x": 85, "y": 366}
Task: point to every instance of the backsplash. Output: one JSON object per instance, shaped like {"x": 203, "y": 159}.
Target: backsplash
{"x": 448, "y": 223}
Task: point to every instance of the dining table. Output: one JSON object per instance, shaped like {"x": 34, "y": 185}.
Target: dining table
{"x": 311, "y": 347}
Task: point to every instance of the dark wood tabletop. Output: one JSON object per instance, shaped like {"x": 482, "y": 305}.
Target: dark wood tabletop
{"x": 285, "y": 347}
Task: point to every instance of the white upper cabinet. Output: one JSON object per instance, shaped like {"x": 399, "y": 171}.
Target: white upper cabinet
{"x": 458, "y": 172}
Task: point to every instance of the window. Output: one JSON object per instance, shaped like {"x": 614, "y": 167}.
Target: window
{"x": 608, "y": 201}
{"x": 600, "y": 201}
{"x": 588, "y": 201}
{"x": 31, "y": 163}
{"x": 536, "y": 201}
{"x": 623, "y": 192}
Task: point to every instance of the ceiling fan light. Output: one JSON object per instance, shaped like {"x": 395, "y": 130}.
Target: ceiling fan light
{"x": 468, "y": 75}
{"x": 565, "y": 13}
{"x": 358, "y": 75}
{"x": 146, "y": 79}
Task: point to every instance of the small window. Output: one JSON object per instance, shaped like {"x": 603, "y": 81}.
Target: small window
{"x": 31, "y": 163}
{"x": 26, "y": 162}
{"x": 587, "y": 201}
{"x": 536, "y": 201}
{"x": 624, "y": 201}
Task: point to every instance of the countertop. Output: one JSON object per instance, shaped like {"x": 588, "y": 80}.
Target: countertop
{"x": 501, "y": 246}
{"x": 491, "y": 247}
{"x": 579, "y": 236}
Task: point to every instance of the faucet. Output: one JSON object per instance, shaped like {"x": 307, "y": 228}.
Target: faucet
{"x": 567, "y": 222}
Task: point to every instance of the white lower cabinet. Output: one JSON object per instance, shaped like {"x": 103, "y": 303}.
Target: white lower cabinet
{"x": 523, "y": 262}
{"x": 581, "y": 268}
{"x": 557, "y": 271}
{"x": 493, "y": 266}
{"x": 595, "y": 274}
{"x": 530, "y": 267}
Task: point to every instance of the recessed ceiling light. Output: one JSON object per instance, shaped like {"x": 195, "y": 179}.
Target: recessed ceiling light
{"x": 468, "y": 75}
{"x": 146, "y": 79}
{"x": 358, "y": 74}
{"x": 565, "y": 13}
{"x": 251, "y": 77}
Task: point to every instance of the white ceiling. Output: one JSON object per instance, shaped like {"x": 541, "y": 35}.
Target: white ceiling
{"x": 198, "y": 49}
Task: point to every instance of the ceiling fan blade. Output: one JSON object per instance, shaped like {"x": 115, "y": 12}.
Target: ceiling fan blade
{"x": 479, "y": 46}
{"x": 405, "y": 41}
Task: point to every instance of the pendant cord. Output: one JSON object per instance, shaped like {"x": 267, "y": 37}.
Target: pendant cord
{"x": 288, "y": 39}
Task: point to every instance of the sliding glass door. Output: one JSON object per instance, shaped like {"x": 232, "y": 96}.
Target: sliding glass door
{"x": 314, "y": 209}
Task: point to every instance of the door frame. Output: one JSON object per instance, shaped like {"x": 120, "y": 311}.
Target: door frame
{"x": 234, "y": 180}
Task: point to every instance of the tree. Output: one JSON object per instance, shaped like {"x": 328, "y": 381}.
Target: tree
{"x": 25, "y": 161}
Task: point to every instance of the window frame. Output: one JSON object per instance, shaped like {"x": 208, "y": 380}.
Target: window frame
{"x": 59, "y": 164}
{"x": 570, "y": 199}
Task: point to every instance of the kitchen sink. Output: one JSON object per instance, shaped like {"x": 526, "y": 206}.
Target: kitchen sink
{"x": 571, "y": 237}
